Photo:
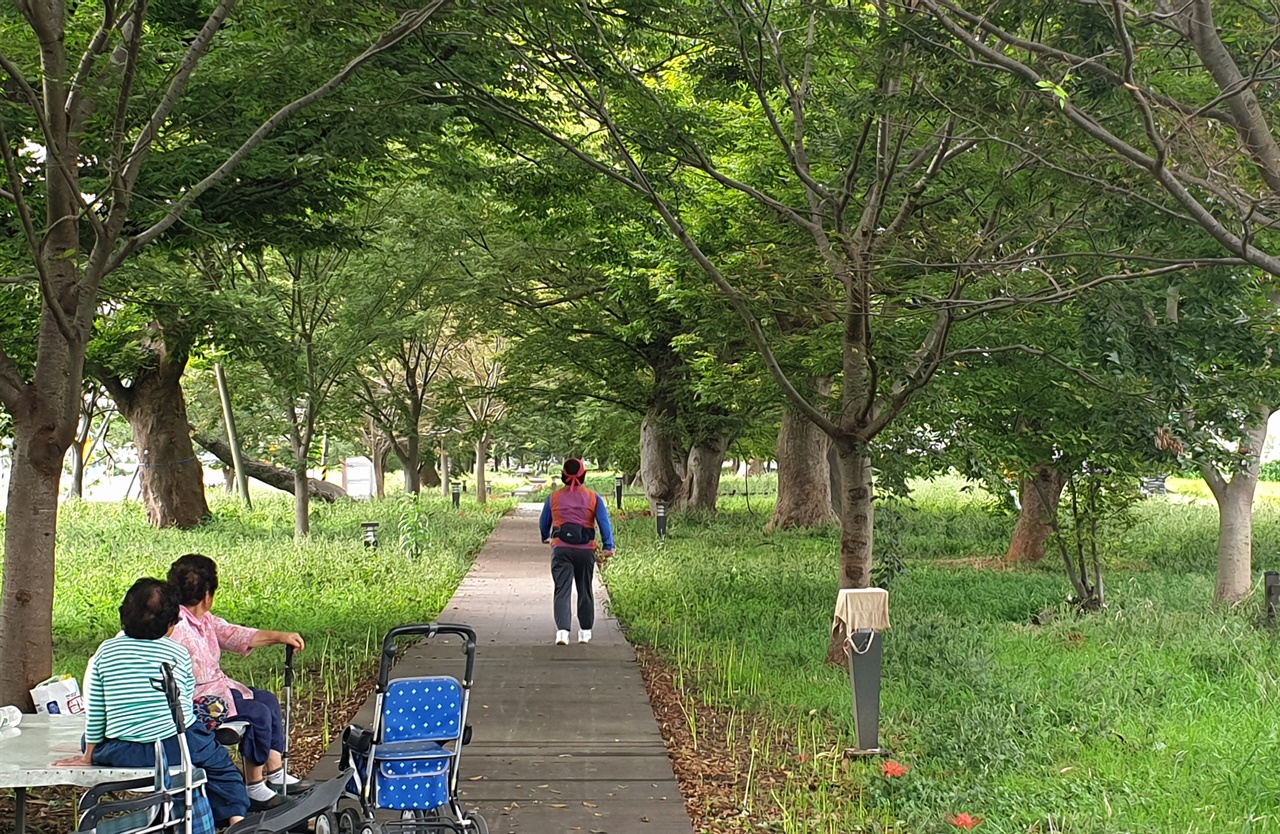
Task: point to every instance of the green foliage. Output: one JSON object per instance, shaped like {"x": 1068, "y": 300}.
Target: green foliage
{"x": 338, "y": 594}
{"x": 1147, "y": 716}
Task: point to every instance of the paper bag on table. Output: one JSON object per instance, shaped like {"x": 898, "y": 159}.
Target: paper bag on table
{"x": 59, "y": 695}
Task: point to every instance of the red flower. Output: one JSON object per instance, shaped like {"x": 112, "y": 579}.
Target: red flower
{"x": 893, "y": 770}
{"x": 803, "y": 757}
{"x": 965, "y": 821}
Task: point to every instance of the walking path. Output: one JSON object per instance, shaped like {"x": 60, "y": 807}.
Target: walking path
{"x": 564, "y": 737}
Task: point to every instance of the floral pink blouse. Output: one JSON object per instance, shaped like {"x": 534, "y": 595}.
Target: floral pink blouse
{"x": 205, "y": 637}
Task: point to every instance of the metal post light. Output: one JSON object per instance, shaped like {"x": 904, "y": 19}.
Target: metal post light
{"x": 456, "y": 490}
{"x": 617, "y": 490}
{"x": 661, "y": 518}
{"x": 370, "y": 529}
{"x": 1271, "y": 587}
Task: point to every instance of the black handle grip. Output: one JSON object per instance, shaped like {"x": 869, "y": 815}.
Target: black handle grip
{"x": 288, "y": 665}
{"x": 427, "y": 630}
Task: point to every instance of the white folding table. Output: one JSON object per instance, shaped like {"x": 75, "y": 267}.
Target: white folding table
{"x": 28, "y": 751}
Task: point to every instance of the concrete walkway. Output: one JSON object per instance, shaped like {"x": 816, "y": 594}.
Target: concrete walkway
{"x": 564, "y": 737}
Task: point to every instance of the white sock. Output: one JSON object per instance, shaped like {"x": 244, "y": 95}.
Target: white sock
{"x": 260, "y": 791}
{"x": 276, "y": 775}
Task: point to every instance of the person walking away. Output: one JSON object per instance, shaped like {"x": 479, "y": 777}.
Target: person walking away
{"x": 571, "y": 517}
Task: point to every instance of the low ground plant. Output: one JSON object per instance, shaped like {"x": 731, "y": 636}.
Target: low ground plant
{"x": 1000, "y": 702}
{"x": 339, "y": 594}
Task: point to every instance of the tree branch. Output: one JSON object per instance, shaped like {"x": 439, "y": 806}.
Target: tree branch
{"x": 171, "y": 96}
{"x": 32, "y": 97}
{"x": 78, "y": 107}
{"x": 1250, "y": 123}
{"x": 48, "y": 294}
{"x": 407, "y": 24}
{"x": 1198, "y": 212}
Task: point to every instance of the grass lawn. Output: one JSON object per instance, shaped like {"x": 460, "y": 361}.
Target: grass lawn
{"x": 1159, "y": 714}
{"x": 341, "y": 596}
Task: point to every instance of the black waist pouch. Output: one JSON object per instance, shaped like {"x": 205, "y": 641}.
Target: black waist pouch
{"x": 571, "y": 533}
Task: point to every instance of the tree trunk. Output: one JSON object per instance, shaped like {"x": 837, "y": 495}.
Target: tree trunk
{"x": 857, "y": 525}
{"x": 301, "y": 502}
{"x": 378, "y": 452}
{"x": 444, "y": 473}
{"x": 300, "y": 440}
{"x": 482, "y": 455}
{"x": 410, "y": 456}
{"x": 804, "y": 483}
{"x": 273, "y": 476}
{"x": 1235, "y": 517}
{"x": 755, "y": 468}
{"x": 426, "y": 472}
{"x": 45, "y": 410}
{"x": 233, "y": 437}
{"x": 1039, "y": 495}
{"x": 26, "y": 618}
{"x": 229, "y": 480}
{"x": 661, "y": 483}
{"x": 171, "y": 477}
{"x": 702, "y": 474}
{"x": 834, "y": 485}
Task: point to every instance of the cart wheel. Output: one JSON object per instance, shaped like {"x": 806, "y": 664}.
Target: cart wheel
{"x": 423, "y": 820}
{"x": 349, "y": 821}
{"x": 477, "y": 822}
{"x": 326, "y": 823}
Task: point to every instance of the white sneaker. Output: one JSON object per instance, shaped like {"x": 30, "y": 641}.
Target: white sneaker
{"x": 562, "y": 637}
{"x": 584, "y": 635}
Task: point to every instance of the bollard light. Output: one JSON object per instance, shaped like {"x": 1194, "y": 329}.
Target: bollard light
{"x": 861, "y": 615}
{"x": 617, "y": 490}
{"x": 661, "y": 518}
{"x": 370, "y": 533}
{"x": 1271, "y": 587}
{"x": 457, "y": 494}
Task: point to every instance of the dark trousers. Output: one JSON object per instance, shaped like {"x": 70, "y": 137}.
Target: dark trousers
{"x": 266, "y": 728}
{"x": 225, "y": 786}
{"x": 572, "y": 566}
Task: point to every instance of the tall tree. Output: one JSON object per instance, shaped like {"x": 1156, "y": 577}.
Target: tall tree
{"x": 94, "y": 86}
{"x": 910, "y": 230}
{"x": 475, "y": 369}
{"x": 1175, "y": 94}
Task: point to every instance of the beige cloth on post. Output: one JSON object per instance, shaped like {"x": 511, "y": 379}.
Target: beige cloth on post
{"x": 861, "y": 608}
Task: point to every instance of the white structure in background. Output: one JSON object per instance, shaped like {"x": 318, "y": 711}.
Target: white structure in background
{"x": 357, "y": 477}
{"x": 1271, "y": 448}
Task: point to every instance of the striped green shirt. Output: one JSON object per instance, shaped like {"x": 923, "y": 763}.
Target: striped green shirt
{"x": 120, "y": 702}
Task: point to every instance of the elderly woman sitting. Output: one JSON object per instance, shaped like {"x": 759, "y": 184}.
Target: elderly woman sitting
{"x": 206, "y": 636}
{"x": 125, "y": 715}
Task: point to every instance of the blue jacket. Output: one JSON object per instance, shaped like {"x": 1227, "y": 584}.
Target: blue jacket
{"x": 602, "y": 522}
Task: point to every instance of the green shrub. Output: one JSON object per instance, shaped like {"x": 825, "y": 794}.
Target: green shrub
{"x": 340, "y": 595}
{"x": 1156, "y": 714}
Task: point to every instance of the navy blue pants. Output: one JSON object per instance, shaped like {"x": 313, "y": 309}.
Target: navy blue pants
{"x": 573, "y": 566}
{"x": 266, "y": 728}
{"x": 225, "y": 788}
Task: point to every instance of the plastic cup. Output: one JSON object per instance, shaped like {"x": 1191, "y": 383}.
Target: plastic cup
{"x": 10, "y": 717}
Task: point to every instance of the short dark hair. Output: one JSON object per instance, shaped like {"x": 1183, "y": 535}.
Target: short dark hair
{"x": 149, "y": 610}
{"x": 194, "y": 576}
